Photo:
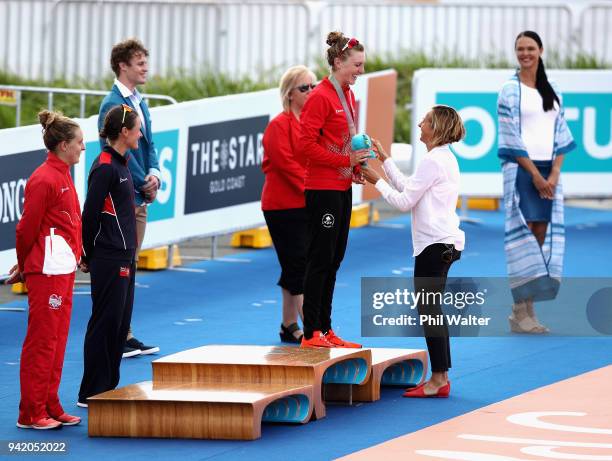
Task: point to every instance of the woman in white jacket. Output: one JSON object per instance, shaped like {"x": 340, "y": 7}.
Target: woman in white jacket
{"x": 431, "y": 194}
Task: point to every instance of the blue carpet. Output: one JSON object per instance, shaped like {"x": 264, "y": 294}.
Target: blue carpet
{"x": 239, "y": 303}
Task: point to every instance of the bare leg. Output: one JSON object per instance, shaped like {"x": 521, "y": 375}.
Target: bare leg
{"x": 532, "y": 314}
{"x": 539, "y": 230}
{"x": 522, "y": 322}
{"x": 299, "y": 301}
{"x": 437, "y": 380}
{"x": 292, "y": 307}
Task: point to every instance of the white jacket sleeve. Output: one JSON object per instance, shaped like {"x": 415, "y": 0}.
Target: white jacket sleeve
{"x": 413, "y": 187}
{"x": 396, "y": 177}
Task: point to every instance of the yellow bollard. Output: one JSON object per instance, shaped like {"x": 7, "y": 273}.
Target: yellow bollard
{"x": 252, "y": 238}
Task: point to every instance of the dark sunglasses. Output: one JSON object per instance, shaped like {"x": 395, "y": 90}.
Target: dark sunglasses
{"x": 126, "y": 109}
{"x": 304, "y": 88}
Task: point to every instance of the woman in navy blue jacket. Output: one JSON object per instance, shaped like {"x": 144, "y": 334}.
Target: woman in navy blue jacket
{"x": 109, "y": 246}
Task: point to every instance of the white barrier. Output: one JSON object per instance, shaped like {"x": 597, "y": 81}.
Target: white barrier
{"x": 210, "y": 155}
{"x": 587, "y": 95}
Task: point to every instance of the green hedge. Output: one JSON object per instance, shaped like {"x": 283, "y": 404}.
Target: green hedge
{"x": 184, "y": 87}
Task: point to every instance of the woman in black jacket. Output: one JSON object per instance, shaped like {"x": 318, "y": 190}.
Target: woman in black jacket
{"x": 109, "y": 245}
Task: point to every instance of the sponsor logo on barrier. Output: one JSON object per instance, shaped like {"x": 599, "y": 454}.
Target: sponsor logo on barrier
{"x": 164, "y": 207}
{"x": 224, "y": 164}
{"x": 14, "y": 172}
{"x": 589, "y": 117}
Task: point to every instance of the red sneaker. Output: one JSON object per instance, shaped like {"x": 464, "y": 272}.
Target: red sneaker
{"x": 42, "y": 423}
{"x": 68, "y": 420}
{"x": 339, "y": 342}
{"x": 317, "y": 340}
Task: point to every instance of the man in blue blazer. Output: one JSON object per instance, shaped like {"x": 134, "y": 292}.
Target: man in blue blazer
{"x": 129, "y": 61}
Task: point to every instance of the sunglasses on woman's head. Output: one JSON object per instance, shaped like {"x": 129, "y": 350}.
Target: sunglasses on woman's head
{"x": 126, "y": 109}
{"x": 305, "y": 87}
{"x": 349, "y": 45}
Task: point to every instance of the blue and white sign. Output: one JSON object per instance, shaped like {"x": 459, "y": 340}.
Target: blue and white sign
{"x": 587, "y": 97}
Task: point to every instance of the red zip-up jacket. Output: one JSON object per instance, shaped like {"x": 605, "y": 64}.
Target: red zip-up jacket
{"x": 49, "y": 232}
{"x": 325, "y": 140}
{"x": 283, "y": 165}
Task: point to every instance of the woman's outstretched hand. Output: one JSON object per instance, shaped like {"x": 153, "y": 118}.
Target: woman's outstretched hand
{"x": 380, "y": 151}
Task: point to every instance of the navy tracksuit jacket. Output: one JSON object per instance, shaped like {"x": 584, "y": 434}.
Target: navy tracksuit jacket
{"x": 109, "y": 245}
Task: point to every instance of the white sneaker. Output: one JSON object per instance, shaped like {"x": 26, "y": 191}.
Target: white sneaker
{"x": 130, "y": 352}
{"x": 82, "y": 405}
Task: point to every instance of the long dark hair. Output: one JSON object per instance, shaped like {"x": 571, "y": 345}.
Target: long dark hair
{"x": 542, "y": 84}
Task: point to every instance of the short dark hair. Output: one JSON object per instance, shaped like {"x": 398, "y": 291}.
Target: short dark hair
{"x": 113, "y": 122}
{"x": 124, "y": 51}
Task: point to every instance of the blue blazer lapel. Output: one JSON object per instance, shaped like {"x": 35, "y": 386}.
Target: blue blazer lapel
{"x": 145, "y": 112}
{"x": 145, "y": 127}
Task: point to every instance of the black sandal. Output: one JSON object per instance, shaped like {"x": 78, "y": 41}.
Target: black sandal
{"x": 287, "y": 336}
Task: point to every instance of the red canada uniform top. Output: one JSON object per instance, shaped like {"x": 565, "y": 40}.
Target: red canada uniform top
{"x": 325, "y": 140}
{"x": 283, "y": 164}
{"x": 49, "y": 232}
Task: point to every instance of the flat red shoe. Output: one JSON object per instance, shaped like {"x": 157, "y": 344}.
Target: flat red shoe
{"x": 339, "y": 342}
{"x": 419, "y": 392}
{"x": 410, "y": 389}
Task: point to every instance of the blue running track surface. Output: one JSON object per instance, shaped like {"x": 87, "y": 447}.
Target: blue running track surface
{"x": 239, "y": 303}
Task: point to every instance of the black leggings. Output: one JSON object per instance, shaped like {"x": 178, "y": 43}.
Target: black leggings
{"x": 329, "y": 218}
{"x": 430, "y": 272}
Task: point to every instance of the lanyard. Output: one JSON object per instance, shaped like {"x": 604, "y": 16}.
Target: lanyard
{"x": 349, "y": 117}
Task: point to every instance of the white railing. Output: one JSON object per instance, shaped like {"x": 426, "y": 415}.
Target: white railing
{"x": 82, "y": 93}
{"x": 72, "y": 38}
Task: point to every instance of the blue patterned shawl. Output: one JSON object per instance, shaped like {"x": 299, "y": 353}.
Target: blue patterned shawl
{"x": 534, "y": 271}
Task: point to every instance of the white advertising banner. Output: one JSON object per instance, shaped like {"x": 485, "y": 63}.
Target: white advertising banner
{"x": 587, "y": 96}
{"x": 210, "y": 154}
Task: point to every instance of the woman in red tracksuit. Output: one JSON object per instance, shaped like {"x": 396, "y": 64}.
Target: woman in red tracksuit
{"x": 326, "y": 143}
{"x": 48, "y": 251}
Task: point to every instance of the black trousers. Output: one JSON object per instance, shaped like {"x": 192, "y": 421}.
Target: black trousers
{"x": 430, "y": 272}
{"x": 289, "y": 231}
{"x": 112, "y": 293}
{"x": 329, "y": 218}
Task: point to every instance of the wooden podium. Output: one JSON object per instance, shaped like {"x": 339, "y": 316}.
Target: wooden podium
{"x": 226, "y": 391}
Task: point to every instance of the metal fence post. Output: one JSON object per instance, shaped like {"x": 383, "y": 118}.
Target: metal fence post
{"x": 18, "y": 108}
{"x": 82, "y": 105}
